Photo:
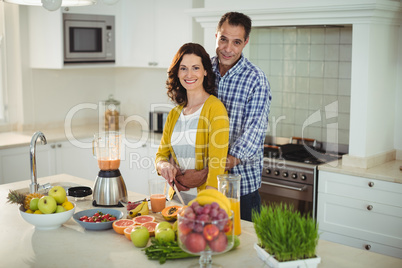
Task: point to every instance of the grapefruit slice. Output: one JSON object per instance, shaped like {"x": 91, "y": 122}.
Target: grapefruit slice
{"x": 122, "y": 224}
{"x": 143, "y": 219}
{"x": 151, "y": 225}
{"x": 127, "y": 231}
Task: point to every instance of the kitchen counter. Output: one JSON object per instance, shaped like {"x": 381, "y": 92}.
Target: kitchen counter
{"x": 389, "y": 171}
{"x": 73, "y": 246}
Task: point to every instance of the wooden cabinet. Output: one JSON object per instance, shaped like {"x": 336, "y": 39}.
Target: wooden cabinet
{"x": 153, "y": 31}
{"x": 360, "y": 212}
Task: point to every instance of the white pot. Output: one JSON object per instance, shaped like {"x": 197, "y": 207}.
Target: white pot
{"x": 273, "y": 263}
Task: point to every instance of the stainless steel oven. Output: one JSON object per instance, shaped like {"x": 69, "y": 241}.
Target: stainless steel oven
{"x": 290, "y": 173}
{"x": 89, "y": 38}
{"x": 289, "y": 183}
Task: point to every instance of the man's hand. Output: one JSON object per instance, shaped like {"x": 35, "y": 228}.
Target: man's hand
{"x": 231, "y": 162}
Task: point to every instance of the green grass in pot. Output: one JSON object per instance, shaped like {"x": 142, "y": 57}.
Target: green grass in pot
{"x": 285, "y": 233}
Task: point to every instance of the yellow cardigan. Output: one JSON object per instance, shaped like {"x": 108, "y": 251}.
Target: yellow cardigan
{"x": 212, "y": 139}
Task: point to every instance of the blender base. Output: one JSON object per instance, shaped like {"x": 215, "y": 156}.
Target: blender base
{"x": 97, "y": 205}
{"x": 109, "y": 189}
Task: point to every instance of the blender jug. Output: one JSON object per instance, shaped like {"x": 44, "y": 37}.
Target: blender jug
{"x": 106, "y": 149}
{"x": 229, "y": 185}
{"x": 109, "y": 188}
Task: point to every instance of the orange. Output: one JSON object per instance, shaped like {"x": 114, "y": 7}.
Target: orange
{"x": 122, "y": 224}
{"x": 143, "y": 219}
{"x": 127, "y": 231}
{"x": 151, "y": 227}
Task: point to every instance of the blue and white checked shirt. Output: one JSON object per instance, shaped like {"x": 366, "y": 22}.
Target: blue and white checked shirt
{"x": 246, "y": 94}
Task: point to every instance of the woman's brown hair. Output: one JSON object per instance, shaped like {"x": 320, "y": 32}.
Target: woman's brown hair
{"x": 175, "y": 90}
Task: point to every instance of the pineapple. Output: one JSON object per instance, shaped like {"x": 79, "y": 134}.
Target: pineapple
{"x": 15, "y": 197}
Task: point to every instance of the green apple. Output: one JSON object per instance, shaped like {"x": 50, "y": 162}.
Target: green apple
{"x": 47, "y": 204}
{"x": 58, "y": 193}
{"x": 165, "y": 235}
{"x": 59, "y": 209}
{"x": 140, "y": 236}
{"x": 33, "y": 205}
{"x": 163, "y": 225}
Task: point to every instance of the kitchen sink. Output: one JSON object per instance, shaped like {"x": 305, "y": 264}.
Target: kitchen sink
{"x": 48, "y": 186}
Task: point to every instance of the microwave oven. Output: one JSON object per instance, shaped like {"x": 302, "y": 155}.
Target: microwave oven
{"x": 88, "y": 38}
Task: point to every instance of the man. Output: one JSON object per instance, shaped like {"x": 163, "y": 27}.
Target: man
{"x": 244, "y": 90}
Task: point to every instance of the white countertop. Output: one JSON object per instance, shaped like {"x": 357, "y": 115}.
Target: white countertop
{"x": 389, "y": 171}
{"x": 73, "y": 246}
{"x": 23, "y": 138}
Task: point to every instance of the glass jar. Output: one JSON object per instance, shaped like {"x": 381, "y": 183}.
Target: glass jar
{"x": 112, "y": 113}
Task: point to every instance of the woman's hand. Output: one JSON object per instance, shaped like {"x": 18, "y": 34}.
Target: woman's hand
{"x": 167, "y": 170}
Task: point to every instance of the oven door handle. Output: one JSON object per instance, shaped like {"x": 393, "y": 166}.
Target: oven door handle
{"x": 301, "y": 189}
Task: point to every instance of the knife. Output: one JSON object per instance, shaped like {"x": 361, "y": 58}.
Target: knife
{"x": 178, "y": 193}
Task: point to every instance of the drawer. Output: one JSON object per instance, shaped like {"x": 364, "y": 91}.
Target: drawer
{"x": 360, "y": 188}
{"x": 360, "y": 219}
{"x": 362, "y": 244}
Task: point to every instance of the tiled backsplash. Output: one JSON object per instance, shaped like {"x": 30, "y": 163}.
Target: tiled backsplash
{"x": 309, "y": 70}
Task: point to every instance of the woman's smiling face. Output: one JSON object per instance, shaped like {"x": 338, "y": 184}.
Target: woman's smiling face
{"x": 191, "y": 72}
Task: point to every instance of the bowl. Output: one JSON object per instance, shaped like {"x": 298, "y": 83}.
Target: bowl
{"x": 47, "y": 221}
{"x": 97, "y": 225}
{"x": 79, "y": 191}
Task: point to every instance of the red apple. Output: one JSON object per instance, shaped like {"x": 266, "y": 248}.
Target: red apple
{"x": 220, "y": 243}
{"x": 195, "y": 242}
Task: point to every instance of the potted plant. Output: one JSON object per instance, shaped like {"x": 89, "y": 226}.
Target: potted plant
{"x": 285, "y": 237}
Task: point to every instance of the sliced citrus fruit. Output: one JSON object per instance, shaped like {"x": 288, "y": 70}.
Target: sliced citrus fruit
{"x": 151, "y": 225}
{"x": 127, "y": 231}
{"x": 143, "y": 219}
{"x": 122, "y": 224}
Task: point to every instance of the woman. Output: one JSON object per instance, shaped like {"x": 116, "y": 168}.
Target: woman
{"x": 196, "y": 132}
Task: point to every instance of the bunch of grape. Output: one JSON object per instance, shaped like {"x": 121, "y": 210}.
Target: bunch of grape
{"x": 202, "y": 226}
{"x": 209, "y": 213}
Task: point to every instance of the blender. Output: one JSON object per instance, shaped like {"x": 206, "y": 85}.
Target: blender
{"x": 110, "y": 188}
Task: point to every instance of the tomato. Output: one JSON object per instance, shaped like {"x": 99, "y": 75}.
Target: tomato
{"x": 112, "y": 218}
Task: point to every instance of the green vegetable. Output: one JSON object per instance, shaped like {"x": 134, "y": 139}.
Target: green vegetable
{"x": 165, "y": 251}
{"x": 285, "y": 233}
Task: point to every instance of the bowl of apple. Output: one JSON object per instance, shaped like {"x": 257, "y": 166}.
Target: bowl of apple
{"x": 49, "y": 211}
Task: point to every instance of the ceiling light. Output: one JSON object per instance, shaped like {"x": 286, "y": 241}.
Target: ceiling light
{"x": 68, "y": 3}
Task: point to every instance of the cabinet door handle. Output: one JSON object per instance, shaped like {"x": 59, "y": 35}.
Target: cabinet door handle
{"x": 59, "y": 145}
{"x": 369, "y": 207}
{"x": 371, "y": 184}
{"x": 367, "y": 247}
{"x": 52, "y": 146}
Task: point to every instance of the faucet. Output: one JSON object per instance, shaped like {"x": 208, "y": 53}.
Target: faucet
{"x": 34, "y": 186}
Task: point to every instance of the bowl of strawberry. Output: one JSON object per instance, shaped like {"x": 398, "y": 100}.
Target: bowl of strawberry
{"x": 98, "y": 218}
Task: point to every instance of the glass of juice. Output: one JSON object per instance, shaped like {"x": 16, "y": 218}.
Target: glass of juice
{"x": 229, "y": 185}
{"x": 158, "y": 191}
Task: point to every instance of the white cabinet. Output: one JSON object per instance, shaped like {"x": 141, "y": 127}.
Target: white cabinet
{"x": 15, "y": 164}
{"x": 136, "y": 168}
{"x": 148, "y": 33}
{"x": 360, "y": 212}
{"x": 46, "y": 48}
{"x": 153, "y": 31}
{"x": 51, "y": 159}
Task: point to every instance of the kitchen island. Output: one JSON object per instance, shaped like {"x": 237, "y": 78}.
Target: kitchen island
{"x": 73, "y": 246}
